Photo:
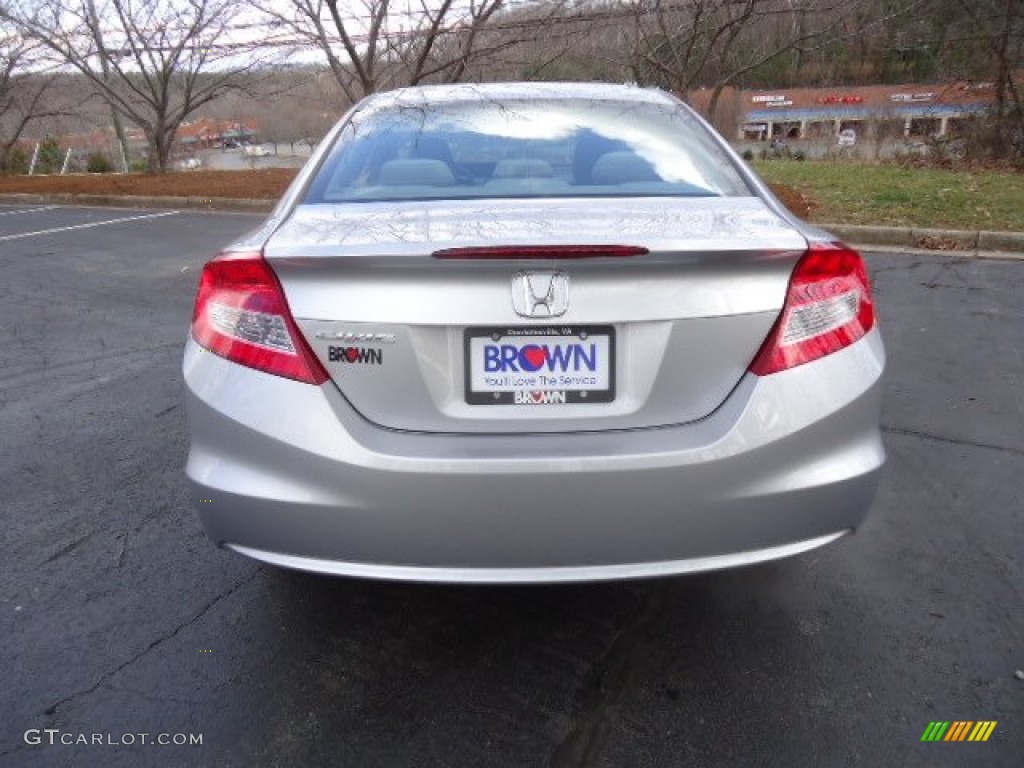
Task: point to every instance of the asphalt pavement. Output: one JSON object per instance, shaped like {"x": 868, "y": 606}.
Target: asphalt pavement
{"x": 118, "y": 618}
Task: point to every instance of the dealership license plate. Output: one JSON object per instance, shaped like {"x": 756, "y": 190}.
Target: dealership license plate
{"x": 540, "y": 366}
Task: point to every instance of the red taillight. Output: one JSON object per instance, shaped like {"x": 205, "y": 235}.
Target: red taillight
{"x": 828, "y": 307}
{"x": 542, "y": 252}
{"x": 241, "y": 314}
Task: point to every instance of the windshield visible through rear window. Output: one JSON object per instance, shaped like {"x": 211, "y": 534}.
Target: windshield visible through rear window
{"x": 514, "y": 149}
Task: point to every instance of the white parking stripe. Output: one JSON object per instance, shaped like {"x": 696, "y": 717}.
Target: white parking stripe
{"x": 27, "y": 210}
{"x": 21, "y": 235}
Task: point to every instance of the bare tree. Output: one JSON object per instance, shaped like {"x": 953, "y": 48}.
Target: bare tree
{"x": 373, "y": 45}
{"x": 155, "y": 61}
{"x": 25, "y": 80}
{"x": 674, "y": 42}
{"x": 713, "y": 43}
{"x": 578, "y": 40}
{"x": 793, "y": 27}
{"x": 998, "y": 25}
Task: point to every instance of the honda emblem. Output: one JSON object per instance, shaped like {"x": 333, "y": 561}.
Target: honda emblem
{"x": 540, "y": 293}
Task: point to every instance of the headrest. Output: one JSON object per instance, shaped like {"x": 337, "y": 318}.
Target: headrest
{"x": 416, "y": 172}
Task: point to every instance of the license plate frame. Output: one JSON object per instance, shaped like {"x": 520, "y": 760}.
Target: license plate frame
{"x": 506, "y": 393}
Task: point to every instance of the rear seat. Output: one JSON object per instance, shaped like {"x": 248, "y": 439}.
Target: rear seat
{"x": 523, "y": 168}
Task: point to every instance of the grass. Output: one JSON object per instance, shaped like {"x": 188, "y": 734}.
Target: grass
{"x": 847, "y": 193}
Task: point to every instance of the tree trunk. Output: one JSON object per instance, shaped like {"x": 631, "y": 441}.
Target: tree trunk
{"x": 159, "y": 141}
{"x": 716, "y": 94}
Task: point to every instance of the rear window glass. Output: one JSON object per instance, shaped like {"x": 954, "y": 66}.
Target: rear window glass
{"x": 512, "y": 149}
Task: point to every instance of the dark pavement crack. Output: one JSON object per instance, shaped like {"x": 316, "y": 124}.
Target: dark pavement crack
{"x": 951, "y": 440}
{"x": 52, "y": 709}
{"x": 69, "y": 547}
{"x": 165, "y": 411}
{"x": 604, "y": 686}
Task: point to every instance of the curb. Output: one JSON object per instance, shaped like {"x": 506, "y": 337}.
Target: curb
{"x": 972, "y": 243}
{"x": 979, "y": 244}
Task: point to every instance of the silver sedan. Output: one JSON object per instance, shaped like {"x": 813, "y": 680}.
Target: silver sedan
{"x": 531, "y": 333}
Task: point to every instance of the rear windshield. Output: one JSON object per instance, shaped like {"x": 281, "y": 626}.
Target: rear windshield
{"x": 514, "y": 149}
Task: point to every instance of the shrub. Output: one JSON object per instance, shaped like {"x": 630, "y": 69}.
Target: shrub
{"x": 98, "y": 162}
{"x": 15, "y": 162}
{"x": 50, "y": 156}
{"x": 748, "y": 155}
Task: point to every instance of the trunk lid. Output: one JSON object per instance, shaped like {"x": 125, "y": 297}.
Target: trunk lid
{"x": 653, "y": 339}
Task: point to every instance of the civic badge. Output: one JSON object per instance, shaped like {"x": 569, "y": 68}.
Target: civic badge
{"x": 540, "y": 293}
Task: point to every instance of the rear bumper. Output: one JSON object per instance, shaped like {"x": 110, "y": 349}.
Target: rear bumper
{"x": 787, "y": 463}
{"x": 535, "y": 575}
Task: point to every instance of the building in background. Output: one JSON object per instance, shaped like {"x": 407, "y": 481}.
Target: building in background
{"x": 206, "y": 133}
{"x": 878, "y": 111}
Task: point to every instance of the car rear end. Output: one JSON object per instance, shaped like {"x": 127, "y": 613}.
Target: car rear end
{"x": 543, "y": 355}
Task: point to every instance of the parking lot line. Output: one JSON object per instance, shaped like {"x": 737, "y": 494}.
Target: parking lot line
{"x": 121, "y": 220}
{"x": 28, "y": 210}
